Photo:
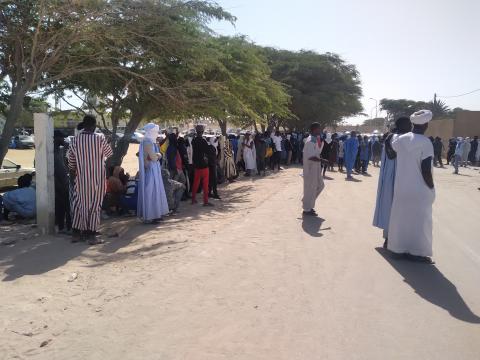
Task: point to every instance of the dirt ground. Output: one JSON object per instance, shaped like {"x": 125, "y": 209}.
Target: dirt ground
{"x": 249, "y": 279}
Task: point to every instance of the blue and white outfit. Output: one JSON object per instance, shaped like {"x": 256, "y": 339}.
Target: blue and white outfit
{"x": 152, "y": 200}
{"x": 386, "y": 183}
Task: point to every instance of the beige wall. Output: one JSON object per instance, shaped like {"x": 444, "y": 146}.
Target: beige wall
{"x": 443, "y": 128}
{"x": 467, "y": 124}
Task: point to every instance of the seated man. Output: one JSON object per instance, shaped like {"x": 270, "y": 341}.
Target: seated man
{"x": 116, "y": 188}
{"x": 174, "y": 191}
{"x": 22, "y": 201}
{"x": 128, "y": 201}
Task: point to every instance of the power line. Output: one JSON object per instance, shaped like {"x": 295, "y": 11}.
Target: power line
{"x": 455, "y": 96}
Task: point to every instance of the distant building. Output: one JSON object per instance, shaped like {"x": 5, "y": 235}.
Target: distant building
{"x": 466, "y": 123}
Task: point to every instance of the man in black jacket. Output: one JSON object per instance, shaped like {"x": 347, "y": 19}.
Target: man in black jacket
{"x": 200, "y": 164}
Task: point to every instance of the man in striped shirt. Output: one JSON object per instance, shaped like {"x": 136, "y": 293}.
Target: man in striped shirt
{"x": 86, "y": 160}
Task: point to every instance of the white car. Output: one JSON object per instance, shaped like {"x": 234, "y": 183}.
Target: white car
{"x": 137, "y": 137}
{"x": 10, "y": 172}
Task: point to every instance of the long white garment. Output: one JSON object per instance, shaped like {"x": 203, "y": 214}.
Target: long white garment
{"x": 249, "y": 156}
{"x": 312, "y": 174}
{"x": 410, "y": 229}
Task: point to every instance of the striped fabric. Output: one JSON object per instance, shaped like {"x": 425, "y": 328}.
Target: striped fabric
{"x": 86, "y": 156}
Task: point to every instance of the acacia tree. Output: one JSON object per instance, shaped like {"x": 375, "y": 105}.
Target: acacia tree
{"x": 57, "y": 43}
{"x": 323, "y": 87}
{"x": 38, "y": 36}
{"x": 242, "y": 90}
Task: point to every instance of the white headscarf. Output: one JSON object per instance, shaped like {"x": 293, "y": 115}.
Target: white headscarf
{"x": 328, "y": 140}
{"x": 151, "y": 131}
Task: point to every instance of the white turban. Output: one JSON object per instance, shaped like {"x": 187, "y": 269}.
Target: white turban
{"x": 151, "y": 131}
{"x": 421, "y": 117}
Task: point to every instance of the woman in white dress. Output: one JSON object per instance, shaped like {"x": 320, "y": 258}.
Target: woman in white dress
{"x": 249, "y": 154}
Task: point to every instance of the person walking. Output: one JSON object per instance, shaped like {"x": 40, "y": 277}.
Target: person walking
{"x": 152, "y": 199}
{"x": 457, "y": 161}
{"x": 437, "y": 151}
{"x": 86, "y": 161}
{"x": 313, "y": 183}
{"x": 327, "y": 144}
{"x": 410, "y": 228}
{"x": 386, "y": 179}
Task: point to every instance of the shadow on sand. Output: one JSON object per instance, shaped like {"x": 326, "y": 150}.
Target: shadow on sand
{"x": 312, "y": 225}
{"x": 31, "y": 255}
{"x": 428, "y": 282}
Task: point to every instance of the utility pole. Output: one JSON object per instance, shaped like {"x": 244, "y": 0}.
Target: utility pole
{"x": 435, "y": 98}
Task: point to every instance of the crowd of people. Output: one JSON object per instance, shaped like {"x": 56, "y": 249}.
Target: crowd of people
{"x": 175, "y": 168}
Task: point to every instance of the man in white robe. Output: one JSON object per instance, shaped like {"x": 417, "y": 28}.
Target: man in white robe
{"x": 410, "y": 229}
{"x": 312, "y": 170}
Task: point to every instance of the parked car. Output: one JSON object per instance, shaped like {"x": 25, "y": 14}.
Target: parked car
{"x": 137, "y": 137}
{"x": 10, "y": 172}
{"x": 24, "y": 142}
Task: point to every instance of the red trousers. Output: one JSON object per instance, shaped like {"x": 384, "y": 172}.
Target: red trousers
{"x": 200, "y": 174}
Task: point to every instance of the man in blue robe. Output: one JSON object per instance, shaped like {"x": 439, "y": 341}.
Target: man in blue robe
{"x": 386, "y": 179}
{"x": 351, "y": 149}
{"x": 364, "y": 154}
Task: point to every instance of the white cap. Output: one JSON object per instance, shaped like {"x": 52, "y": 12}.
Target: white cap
{"x": 421, "y": 117}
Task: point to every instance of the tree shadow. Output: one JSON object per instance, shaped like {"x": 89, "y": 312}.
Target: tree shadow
{"x": 33, "y": 255}
{"x": 312, "y": 225}
{"x": 428, "y": 282}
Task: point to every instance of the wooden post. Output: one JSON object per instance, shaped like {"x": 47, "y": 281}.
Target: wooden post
{"x": 44, "y": 173}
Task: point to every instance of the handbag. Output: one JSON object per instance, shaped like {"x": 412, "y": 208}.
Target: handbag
{"x": 269, "y": 152}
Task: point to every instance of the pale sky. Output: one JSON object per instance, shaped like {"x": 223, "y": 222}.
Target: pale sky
{"x": 402, "y": 48}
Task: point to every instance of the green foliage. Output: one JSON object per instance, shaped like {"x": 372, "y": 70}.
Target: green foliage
{"x": 323, "y": 87}
{"x": 403, "y": 107}
{"x": 241, "y": 88}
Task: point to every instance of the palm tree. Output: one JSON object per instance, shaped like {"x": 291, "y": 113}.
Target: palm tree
{"x": 439, "y": 108}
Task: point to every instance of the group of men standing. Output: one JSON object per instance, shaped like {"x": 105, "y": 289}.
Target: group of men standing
{"x": 406, "y": 190}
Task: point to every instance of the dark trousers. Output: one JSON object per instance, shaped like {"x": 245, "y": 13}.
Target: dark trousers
{"x": 212, "y": 180}
{"x": 276, "y": 158}
{"x": 438, "y": 159}
{"x": 62, "y": 210}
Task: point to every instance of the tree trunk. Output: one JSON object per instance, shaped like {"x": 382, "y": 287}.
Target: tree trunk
{"x": 122, "y": 145}
{"x": 255, "y": 126}
{"x": 223, "y": 126}
{"x": 16, "y": 106}
{"x": 262, "y": 126}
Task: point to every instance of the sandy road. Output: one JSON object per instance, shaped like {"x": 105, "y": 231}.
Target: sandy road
{"x": 251, "y": 279}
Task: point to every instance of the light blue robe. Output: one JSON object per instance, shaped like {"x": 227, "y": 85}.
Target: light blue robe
{"x": 152, "y": 200}
{"x": 22, "y": 201}
{"x": 350, "y": 148}
{"x": 386, "y": 182}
